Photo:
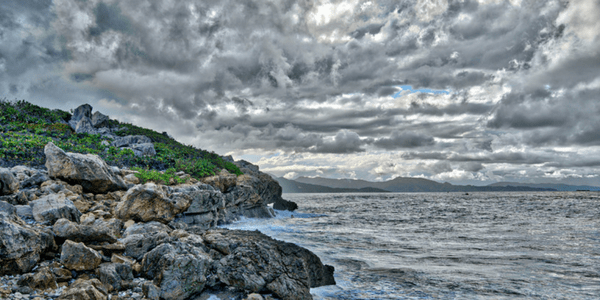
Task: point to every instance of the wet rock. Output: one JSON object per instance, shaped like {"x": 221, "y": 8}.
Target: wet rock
{"x": 178, "y": 268}
{"x": 52, "y": 207}
{"x": 254, "y": 262}
{"x": 98, "y": 231}
{"x": 8, "y": 183}
{"x": 78, "y": 257}
{"x": 114, "y": 275}
{"x": 150, "y": 202}
{"x": 83, "y": 289}
{"x": 89, "y": 170}
{"x": 21, "y": 246}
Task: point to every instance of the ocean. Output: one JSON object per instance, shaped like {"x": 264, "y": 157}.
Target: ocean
{"x": 510, "y": 245}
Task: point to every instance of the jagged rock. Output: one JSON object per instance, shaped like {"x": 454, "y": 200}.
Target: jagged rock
{"x": 52, "y": 207}
{"x": 131, "y": 178}
{"x": 150, "y": 202}
{"x": 129, "y": 140}
{"x": 145, "y": 149}
{"x": 98, "y": 231}
{"x": 255, "y": 262}
{"x": 35, "y": 180}
{"x": 267, "y": 187}
{"x": 78, "y": 257}
{"x": 136, "y": 245}
{"x": 224, "y": 181}
{"x": 205, "y": 206}
{"x": 83, "y": 111}
{"x": 244, "y": 200}
{"x": 100, "y": 120}
{"x": 113, "y": 275}
{"x": 178, "y": 268}
{"x": 42, "y": 279}
{"x": 20, "y": 246}
{"x": 83, "y": 289}
{"x": 89, "y": 170}
{"x": 8, "y": 183}
{"x": 24, "y": 212}
{"x": 85, "y": 126}
{"x": 62, "y": 274}
{"x": 151, "y": 291}
{"x": 146, "y": 229}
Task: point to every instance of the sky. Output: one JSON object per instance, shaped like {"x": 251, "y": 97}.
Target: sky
{"x": 460, "y": 91}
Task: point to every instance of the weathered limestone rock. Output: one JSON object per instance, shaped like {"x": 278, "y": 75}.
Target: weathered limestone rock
{"x": 267, "y": 187}
{"x": 128, "y": 141}
{"x": 42, "y": 279}
{"x": 206, "y": 204}
{"x": 143, "y": 237}
{"x": 224, "y": 181}
{"x": 98, "y": 231}
{"x": 100, "y": 120}
{"x": 89, "y": 170}
{"x": 178, "y": 268}
{"x": 254, "y": 262}
{"x": 131, "y": 178}
{"x": 8, "y": 183}
{"x": 84, "y": 125}
{"x": 20, "y": 246}
{"x": 52, "y": 207}
{"x": 150, "y": 202}
{"x": 114, "y": 275}
{"x": 83, "y": 111}
{"x": 35, "y": 180}
{"x": 83, "y": 289}
{"x": 78, "y": 257}
{"x": 145, "y": 149}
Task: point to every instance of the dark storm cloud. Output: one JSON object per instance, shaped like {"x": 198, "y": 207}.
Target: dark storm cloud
{"x": 317, "y": 77}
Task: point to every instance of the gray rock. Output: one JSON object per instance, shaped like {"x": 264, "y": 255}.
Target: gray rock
{"x": 146, "y": 228}
{"x": 89, "y": 170}
{"x": 145, "y": 149}
{"x": 136, "y": 245}
{"x": 79, "y": 257}
{"x": 52, "y": 207}
{"x": 114, "y": 275}
{"x": 99, "y": 120}
{"x": 255, "y": 262}
{"x": 98, "y": 231}
{"x": 83, "y": 111}
{"x": 130, "y": 140}
{"x": 150, "y": 202}
{"x": 42, "y": 279}
{"x": 35, "y": 180}
{"x": 8, "y": 183}
{"x": 85, "y": 126}
{"x": 151, "y": 291}
{"x": 178, "y": 268}
{"x": 20, "y": 246}
{"x": 24, "y": 212}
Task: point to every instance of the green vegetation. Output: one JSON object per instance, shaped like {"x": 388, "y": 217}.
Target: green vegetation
{"x": 26, "y": 128}
{"x": 159, "y": 177}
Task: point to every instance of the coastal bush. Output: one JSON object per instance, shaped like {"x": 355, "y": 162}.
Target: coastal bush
{"x": 164, "y": 177}
{"x": 26, "y": 128}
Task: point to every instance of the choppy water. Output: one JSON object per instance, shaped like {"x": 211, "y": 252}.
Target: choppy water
{"x": 449, "y": 245}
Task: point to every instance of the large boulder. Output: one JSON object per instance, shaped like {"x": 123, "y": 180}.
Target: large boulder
{"x": 179, "y": 269}
{"x": 87, "y": 170}
{"x": 21, "y": 246}
{"x": 79, "y": 257}
{"x": 114, "y": 275}
{"x": 267, "y": 187}
{"x": 150, "y": 202}
{"x": 143, "y": 237}
{"x": 98, "y": 231}
{"x": 252, "y": 261}
{"x": 82, "y": 112}
{"x": 8, "y": 183}
{"x": 52, "y": 207}
{"x": 85, "y": 126}
{"x": 128, "y": 141}
{"x": 223, "y": 181}
{"x": 205, "y": 208}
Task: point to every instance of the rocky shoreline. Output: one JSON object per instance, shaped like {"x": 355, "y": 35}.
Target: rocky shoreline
{"x": 81, "y": 229}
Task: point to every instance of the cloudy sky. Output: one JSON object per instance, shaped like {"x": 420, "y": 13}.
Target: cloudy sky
{"x": 465, "y": 91}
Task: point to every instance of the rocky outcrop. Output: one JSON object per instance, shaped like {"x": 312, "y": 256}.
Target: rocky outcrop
{"x": 267, "y": 187}
{"x": 87, "y": 170}
{"x": 91, "y": 231}
{"x": 141, "y": 145}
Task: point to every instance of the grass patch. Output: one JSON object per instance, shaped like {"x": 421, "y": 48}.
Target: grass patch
{"x": 26, "y": 128}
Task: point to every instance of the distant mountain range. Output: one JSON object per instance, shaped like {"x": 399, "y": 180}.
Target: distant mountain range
{"x": 404, "y": 184}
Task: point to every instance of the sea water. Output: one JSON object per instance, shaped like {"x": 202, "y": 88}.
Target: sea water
{"x": 512, "y": 245}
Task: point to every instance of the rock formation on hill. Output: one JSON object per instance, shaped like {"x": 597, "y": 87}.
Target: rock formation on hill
{"x": 84, "y": 230}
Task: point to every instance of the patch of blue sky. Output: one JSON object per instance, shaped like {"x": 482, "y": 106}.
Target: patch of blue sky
{"x": 408, "y": 89}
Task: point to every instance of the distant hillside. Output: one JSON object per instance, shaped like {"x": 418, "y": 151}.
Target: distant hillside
{"x": 558, "y": 187}
{"x": 291, "y": 186}
{"x": 404, "y": 185}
